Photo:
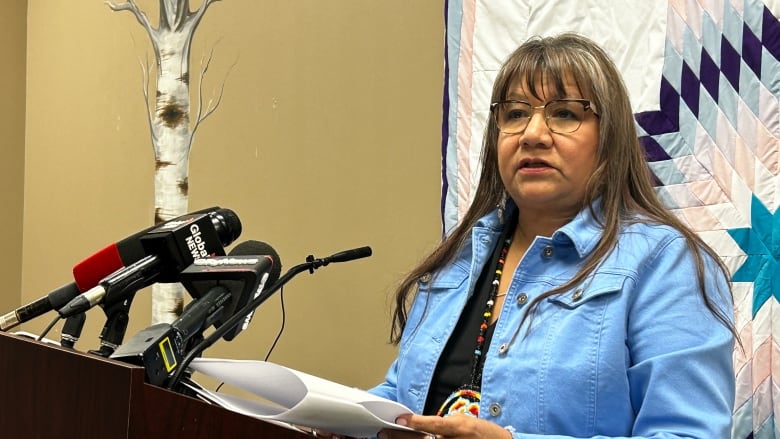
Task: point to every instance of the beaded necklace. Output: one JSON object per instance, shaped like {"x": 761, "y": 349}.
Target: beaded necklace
{"x": 466, "y": 398}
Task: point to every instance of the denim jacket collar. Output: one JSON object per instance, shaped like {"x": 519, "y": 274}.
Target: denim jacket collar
{"x": 583, "y": 231}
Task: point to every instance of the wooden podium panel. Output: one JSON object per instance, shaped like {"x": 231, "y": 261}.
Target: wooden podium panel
{"x": 52, "y": 392}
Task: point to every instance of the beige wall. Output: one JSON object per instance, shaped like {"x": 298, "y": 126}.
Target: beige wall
{"x": 327, "y": 138}
{"x": 13, "y": 29}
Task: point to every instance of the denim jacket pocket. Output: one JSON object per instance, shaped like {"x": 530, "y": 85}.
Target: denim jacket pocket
{"x": 596, "y": 285}
{"x": 431, "y": 290}
{"x": 447, "y": 279}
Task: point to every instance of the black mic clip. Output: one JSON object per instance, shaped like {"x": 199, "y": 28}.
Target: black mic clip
{"x": 117, "y": 318}
{"x": 71, "y": 330}
{"x": 315, "y": 263}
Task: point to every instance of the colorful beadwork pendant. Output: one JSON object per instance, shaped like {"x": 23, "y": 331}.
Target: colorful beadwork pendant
{"x": 464, "y": 400}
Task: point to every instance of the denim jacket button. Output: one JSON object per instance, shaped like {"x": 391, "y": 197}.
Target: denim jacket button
{"x": 495, "y": 409}
{"x": 425, "y": 278}
{"x": 577, "y": 295}
{"x": 547, "y": 251}
{"x": 522, "y": 299}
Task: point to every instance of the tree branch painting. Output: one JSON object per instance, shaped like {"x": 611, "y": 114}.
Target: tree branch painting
{"x": 170, "y": 122}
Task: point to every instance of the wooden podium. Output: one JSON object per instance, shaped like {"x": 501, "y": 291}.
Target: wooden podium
{"x": 52, "y": 392}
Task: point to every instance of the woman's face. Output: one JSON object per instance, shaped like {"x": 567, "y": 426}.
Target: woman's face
{"x": 546, "y": 172}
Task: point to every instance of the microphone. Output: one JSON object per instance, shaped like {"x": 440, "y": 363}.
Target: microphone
{"x": 218, "y": 286}
{"x": 245, "y": 284}
{"x": 168, "y": 249}
{"x": 53, "y": 300}
{"x": 90, "y": 271}
{"x": 251, "y": 248}
{"x": 311, "y": 264}
{"x": 346, "y": 256}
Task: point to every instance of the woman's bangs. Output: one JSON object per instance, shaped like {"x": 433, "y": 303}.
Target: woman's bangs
{"x": 542, "y": 69}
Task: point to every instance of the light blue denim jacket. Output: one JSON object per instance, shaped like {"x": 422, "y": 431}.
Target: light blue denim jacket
{"x": 632, "y": 351}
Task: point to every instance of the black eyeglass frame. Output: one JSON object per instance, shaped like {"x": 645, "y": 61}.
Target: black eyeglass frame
{"x": 586, "y": 105}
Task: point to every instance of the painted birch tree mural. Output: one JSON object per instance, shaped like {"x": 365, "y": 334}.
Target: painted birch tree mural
{"x": 171, "y": 123}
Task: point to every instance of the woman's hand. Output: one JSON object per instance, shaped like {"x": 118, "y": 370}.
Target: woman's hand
{"x": 453, "y": 426}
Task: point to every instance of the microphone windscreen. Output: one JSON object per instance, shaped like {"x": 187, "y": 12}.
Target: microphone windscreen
{"x": 257, "y": 248}
{"x": 92, "y": 270}
{"x": 227, "y": 225}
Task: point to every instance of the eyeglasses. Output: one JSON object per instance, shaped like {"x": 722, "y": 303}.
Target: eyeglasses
{"x": 561, "y": 115}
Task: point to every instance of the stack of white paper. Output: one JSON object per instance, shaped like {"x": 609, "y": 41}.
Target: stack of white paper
{"x": 300, "y": 399}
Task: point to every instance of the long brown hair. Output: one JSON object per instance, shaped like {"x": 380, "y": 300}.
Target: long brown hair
{"x": 621, "y": 177}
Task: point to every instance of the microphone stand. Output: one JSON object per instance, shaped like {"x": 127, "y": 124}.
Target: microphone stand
{"x": 117, "y": 318}
{"x": 71, "y": 330}
{"x": 311, "y": 264}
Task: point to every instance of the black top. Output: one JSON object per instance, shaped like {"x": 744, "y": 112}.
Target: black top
{"x": 455, "y": 364}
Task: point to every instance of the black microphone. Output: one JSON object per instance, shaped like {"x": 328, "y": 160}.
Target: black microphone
{"x": 251, "y": 248}
{"x": 105, "y": 261}
{"x": 217, "y": 284}
{"x": 169, "y": 249}
{"x": 89, "y": 272}
{"x": 53, "y": 300}
{"x": 348, "y": 255}
{"x": 311, "y": 264}
{"x": 245, "y": 284}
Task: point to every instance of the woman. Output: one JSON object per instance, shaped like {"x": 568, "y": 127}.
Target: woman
{"x": 568, "y": 302}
